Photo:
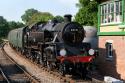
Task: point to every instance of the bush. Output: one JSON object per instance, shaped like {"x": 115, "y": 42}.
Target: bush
{"x": 0, "y": 40}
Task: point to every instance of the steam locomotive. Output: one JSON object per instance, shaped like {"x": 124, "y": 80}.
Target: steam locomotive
{"x": 55, "y": 45}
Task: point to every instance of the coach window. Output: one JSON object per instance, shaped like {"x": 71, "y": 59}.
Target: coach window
{"x": 111, "y": 12}
{"x": 109, "y": 51}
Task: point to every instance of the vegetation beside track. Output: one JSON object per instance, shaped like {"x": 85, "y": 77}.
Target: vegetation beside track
{"x": 0, "y": 40}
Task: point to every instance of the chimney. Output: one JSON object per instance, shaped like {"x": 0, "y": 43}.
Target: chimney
{"x": 67, "y": 18}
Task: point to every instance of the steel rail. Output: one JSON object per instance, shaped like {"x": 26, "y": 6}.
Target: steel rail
{"x": 30, "y": 77}
{"x": 4, "y": 76}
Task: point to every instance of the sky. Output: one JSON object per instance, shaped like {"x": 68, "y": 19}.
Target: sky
{"x": 14, "y": 9}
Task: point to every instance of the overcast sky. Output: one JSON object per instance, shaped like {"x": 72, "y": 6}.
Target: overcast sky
{"x": 13, "y": 9}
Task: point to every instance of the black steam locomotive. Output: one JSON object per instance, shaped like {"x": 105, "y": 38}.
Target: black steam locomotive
{"x": 55, "y": 45}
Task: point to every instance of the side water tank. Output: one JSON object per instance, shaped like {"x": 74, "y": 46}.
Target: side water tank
{"x": 91, "y": 36}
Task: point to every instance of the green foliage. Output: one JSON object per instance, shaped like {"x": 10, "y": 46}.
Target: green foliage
{"x": 20, "y": 24}
{"x": 3, "y": 27}
{"x": 6, "y": 26}
{"x": 28, "y": 15}
{"x": 13, "y": 25}
{"x": 40, "y": 16}
{"x": 0, "y": 40}
{"x": 33, "y": 16}
{"x": 87, "y": 14}
{"x": 59, "y": 18}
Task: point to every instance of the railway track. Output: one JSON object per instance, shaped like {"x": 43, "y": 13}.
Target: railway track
{"x": 3, "y": 77}
{"x": 70, "y": 78}
{"x": 11, "y": 72}
{"x": 53, "y": 76}
{"x": 66, "y": 78}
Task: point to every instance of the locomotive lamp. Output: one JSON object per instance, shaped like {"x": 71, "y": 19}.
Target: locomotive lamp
{"x": 91, "y": 52}
{"x": 62, "y": 52}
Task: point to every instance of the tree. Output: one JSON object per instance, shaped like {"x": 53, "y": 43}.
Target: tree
{"x": 87, "y": 14}
{"x": 59, "y": 18}
{"x": 28, "y": 14}
{"x": 20, "y": 24}
{"x": 14, "y": 25}
{"x": 32, "y": 16}
{"x": 41, "y": 16}
{"x": 0, "y": 40}
{"x": 4, "y": 29}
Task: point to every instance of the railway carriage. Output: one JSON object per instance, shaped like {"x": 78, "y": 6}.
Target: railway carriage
{"x": 12, "y": 37}
{"x": 16, "y": 38}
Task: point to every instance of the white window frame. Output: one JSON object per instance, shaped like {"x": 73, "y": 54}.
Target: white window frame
{"x": 104, "y": 18}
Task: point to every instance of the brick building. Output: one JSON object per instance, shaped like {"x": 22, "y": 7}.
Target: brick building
{"x": 111, "y": 32}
